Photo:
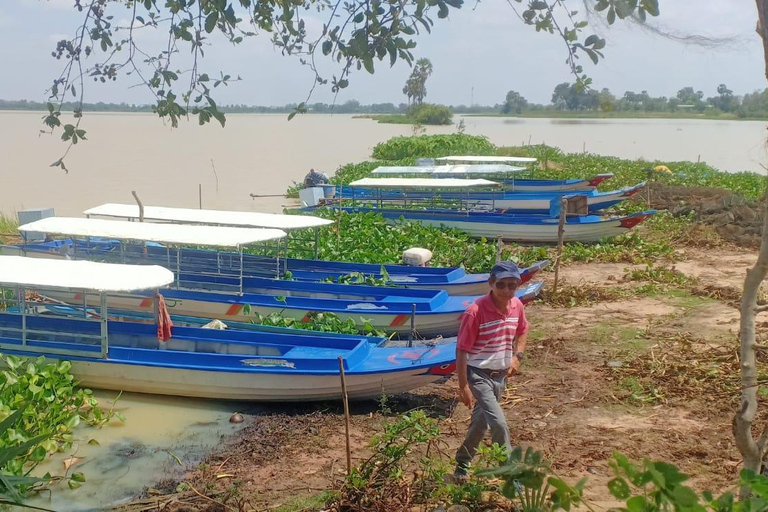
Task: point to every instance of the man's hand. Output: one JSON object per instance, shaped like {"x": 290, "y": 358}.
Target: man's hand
{"x": 465, "y": 395}
{"x": 513, "y": 367}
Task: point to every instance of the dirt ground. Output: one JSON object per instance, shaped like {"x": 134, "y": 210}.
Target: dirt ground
{"x": 652, "y": 376}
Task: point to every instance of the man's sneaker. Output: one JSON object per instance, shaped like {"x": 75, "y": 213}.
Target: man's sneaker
{"x": 461, "y": 474}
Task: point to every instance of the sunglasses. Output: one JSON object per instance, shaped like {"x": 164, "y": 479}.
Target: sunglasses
{"x": 499, "y": 285}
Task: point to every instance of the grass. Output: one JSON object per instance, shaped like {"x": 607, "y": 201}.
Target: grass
{"x": 9, "y": 225}
{"x": 617, "y": 337}
{"x": 306, "y": 503}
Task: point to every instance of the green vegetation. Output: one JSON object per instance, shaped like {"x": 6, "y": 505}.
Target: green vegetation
{"x": 408, "y": 467}
{"x": 9, "y": 225}
{"x": 432, "y": 146}
{"x": 317, "y": 321}
{"x": 419, "y": 114}
{"x": 40, "y": 406}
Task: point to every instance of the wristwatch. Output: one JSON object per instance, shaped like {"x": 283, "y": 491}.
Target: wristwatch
{"x": 520, "y": 356}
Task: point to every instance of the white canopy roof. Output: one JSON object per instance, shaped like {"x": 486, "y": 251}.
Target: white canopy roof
{"x": 487, "y": 159}
{"x": 217, "y": 217}
{"x": 81, "y": 275}
{"x": 173, "y": 234}
{"x": 448, "y": 170}
{"x": 421, "y": 183}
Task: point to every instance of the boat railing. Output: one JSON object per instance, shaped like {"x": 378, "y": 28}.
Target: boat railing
{"x": 19, "y": 304}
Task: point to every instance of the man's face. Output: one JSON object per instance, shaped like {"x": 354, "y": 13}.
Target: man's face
{"x": 504, "y": 288}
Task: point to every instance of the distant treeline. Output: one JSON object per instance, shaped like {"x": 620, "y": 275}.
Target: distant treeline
{"x": 348, "y": 107}
{"x": 568, "y": 98}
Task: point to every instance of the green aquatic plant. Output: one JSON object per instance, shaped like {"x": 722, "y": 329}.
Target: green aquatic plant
{"x": 433, "y": 146}
{"x": 317, "y": 321}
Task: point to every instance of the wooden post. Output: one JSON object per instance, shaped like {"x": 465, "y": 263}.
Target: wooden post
{"x": 499, "y": 248}
{"x": 141, "y": 218}
{"x": 141, "y": 205}
{"x": 560, "y": 232}
{"x": 345, "y": 399}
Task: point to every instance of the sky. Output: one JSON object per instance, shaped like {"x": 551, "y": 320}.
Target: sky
{"x": 479, "y": 53}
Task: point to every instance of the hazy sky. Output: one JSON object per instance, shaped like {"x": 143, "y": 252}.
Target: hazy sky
{"x": 482, "y": 47}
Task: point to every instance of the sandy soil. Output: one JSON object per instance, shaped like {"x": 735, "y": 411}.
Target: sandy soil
{"x": 576, "y": 397}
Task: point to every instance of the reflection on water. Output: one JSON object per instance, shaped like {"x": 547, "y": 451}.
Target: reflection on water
{"x": 120, "y": 460}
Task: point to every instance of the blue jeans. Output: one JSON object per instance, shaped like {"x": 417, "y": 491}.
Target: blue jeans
{"x": 488, "y": 413}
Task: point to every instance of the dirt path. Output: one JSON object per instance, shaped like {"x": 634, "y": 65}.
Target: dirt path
{"x": 611, "y": 376}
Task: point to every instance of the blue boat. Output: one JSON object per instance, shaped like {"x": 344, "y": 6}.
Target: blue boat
{"x": 455, "y": 281}
{"x": 544, "y": 203}
{"x": 523, "y": 228}
{"x": 195, "y": 362}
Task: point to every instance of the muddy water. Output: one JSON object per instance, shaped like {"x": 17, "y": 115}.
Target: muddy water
{"x": 121, "y": 459}
{"x": 263, "y": 154}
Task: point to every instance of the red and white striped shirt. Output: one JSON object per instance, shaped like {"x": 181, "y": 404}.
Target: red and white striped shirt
{"x": 489, "y": 337}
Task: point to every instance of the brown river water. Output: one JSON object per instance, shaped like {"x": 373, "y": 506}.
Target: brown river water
{"x": 260, "y": 154}
{"x": 264, "y": 154}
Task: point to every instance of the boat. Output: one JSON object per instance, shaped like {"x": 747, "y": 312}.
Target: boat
{"x": 454, "y": 280}
{"x": 509, "y": 176}
{"x": 523, "y": 228}
{"x": 226, "y": 292}
{"x": 196, "y": 362}
{"x": 410, "y": 192}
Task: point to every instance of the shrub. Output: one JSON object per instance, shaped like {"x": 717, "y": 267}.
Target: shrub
{"x": 430, "y": 114}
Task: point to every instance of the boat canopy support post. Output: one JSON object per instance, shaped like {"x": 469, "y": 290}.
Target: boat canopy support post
{"x": 21, "y": 297}
{"x": 240, "y": 282}
{"x": 104, "y": 330}
{"x": 412, "y": 330}
{"x": 317, "y": 240}
{"x": 178, "y": 267}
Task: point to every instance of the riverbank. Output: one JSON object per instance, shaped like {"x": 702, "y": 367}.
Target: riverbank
{"x": 621, "y": 114}
{"x": 626, "y": 360}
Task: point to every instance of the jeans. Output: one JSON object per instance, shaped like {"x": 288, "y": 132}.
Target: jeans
{"x": 487, "y": 413}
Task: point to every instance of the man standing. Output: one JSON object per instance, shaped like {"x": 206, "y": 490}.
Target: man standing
{"x": 490, "y": 348}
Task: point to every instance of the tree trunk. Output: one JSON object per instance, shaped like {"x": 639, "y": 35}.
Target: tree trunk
{"x": 751, "y": 449}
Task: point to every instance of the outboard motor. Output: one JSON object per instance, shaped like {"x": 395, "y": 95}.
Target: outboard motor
{"x": 315, "y": 179}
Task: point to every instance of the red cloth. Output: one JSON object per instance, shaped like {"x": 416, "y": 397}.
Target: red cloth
{"x": 490, "y": 337}
{"x": 164, "y": 322}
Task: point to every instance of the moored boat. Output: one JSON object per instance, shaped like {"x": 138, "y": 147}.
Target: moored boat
{"x": 206, "y": 363}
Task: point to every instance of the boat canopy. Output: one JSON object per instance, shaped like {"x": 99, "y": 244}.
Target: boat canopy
{"x": 171, "y": 234}
{"x": 81, "y": 275}
{"x": 216, "y": 217}
{"x": 487, "y": 159}
{"x": 416, "y": 183}
{"x": 449, "y": 169}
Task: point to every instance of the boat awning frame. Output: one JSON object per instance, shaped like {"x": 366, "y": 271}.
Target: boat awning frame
{"x": 81, "y": 275}
{"x": 422, "y": 183}
{"x": 448, "y": 170}
{"x": 170, "y": 234}
{"x": 211, "y": 217}
{"x": 487, "y": 159}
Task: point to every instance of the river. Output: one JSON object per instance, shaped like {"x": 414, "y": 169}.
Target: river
{"x": 264, "y": 154}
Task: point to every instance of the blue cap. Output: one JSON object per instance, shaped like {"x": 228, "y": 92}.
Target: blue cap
{"x": 505, "y": 269}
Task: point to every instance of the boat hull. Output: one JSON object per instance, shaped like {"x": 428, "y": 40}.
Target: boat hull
{"x": 524, "y": 228}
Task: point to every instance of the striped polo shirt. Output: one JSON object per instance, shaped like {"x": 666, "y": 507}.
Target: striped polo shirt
{"x": 488, "y": 336}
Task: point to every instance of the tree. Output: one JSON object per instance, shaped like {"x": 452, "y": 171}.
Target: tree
{"x": 752, "y": 450}
{"x": 725, "y": 100}
{"x": 416, "y": 85}
{"x": 514, "y": 103}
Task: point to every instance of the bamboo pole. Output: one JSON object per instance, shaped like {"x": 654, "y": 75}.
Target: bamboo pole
{"x": 560, "y": 233}
{"x": 345, "y": 399}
